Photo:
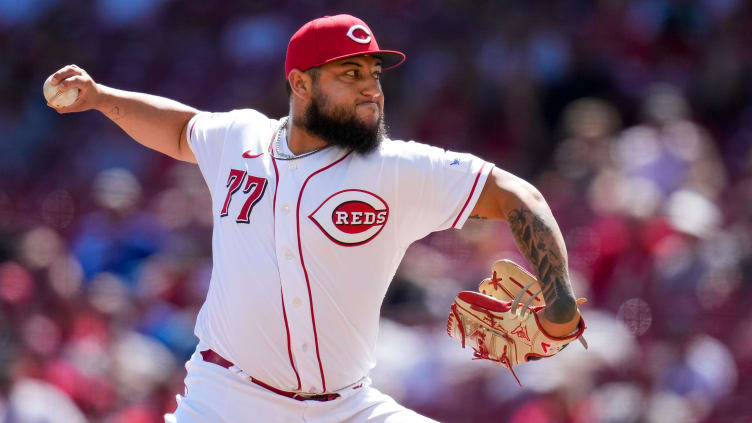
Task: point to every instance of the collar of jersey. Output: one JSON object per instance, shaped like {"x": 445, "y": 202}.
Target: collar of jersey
{"x": 299, "y": 156}
{"x": 275, "y": 153}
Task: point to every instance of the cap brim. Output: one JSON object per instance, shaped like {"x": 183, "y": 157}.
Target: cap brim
{"x": 390, "y": 59}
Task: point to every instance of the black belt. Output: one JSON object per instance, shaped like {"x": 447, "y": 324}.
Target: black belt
{"x": 212, "y": 357}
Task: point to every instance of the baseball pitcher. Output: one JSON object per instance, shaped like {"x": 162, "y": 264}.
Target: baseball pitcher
{"x": 312, "y": 215}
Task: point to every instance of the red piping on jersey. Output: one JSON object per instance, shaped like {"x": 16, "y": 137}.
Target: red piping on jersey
{"x": 305, "y": 272}
{"x": 190, "y": 134}
{"x": 287, "y": 329}
{"x": 281, "y": 292}
{"x": 276, "y": 185}
{"x": 480, "y": 172}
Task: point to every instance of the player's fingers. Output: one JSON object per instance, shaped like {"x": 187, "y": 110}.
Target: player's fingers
{"x": 78, "y": 81}
{"x": 64, "y": 73}
{"x": 66, "y": 108}
{"x": 74, "y": 107}
{"x": 581, "y": 301}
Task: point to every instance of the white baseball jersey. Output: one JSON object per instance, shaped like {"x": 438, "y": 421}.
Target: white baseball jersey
{"x": 304, "y": 249}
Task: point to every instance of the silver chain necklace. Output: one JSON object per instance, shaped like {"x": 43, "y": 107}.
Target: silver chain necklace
{"x": 278, "y": 151}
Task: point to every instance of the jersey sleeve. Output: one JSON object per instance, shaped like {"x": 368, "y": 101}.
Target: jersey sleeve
{"x": 207, "y": 133}
{"x": 438, "y": 187}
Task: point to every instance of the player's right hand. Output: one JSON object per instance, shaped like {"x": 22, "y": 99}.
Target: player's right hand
{"x": 89, "y": 94}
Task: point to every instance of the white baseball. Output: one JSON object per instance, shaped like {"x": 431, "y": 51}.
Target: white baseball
{"x": 58, "y": 98}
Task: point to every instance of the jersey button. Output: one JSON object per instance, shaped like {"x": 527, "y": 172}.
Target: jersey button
{"x": 305, "y": 347}
{"x": 296, "y": 302}
{"x": 285, "y": 208}
{"x": 288, "y": 254}
{"x": 293, "y": 166}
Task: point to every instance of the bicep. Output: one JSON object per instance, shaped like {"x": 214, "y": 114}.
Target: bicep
{"x": 501, "y": 193}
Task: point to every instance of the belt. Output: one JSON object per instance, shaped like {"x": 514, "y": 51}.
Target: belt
{"x": 212, "y": 357}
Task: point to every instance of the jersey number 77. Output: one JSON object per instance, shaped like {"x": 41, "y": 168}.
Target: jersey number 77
{"x": 254, "y": 187}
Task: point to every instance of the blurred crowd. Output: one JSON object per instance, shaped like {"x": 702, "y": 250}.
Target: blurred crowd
{"x": 634, "y": 118}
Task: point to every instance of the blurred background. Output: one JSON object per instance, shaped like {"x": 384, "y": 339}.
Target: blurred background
{"x": 634, "y": 118}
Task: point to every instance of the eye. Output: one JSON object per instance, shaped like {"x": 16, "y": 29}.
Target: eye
{"x": 377, "y": 75}
{"x": 352, "y": 72}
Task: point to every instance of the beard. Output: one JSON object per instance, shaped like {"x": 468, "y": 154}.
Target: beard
{"x": 340, "y": 128}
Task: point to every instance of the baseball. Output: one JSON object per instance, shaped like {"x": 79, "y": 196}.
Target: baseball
{"x": 58, "y": 98}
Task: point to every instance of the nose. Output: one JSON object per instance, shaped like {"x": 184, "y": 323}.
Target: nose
{"x": 371, "y": 89}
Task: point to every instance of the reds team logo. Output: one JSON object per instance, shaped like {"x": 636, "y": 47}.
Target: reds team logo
{"x": 351, "y": 217}
{"x": 359, "y": 34}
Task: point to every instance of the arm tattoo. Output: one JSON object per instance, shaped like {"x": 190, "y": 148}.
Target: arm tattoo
{"x": 535, "y": 239}
{"x": 116, "y": 114}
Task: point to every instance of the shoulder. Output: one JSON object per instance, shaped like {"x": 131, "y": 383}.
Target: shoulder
{"x": 402, "y": 159}
{"x": 240, "y": 118}
{"x": 249, "y": 118}
{"x": 412, "y": 159}
{"x": 408, "y": 150}
{"x": 416, "y": 154}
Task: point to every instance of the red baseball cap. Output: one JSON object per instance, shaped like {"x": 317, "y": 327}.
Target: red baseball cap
{"x": 331, "y": 38}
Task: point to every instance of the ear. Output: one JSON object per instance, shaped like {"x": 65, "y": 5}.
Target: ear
{"x": 301, "y": 84}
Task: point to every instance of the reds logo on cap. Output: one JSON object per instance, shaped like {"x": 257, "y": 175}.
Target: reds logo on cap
{"x": 357, "y": 37}
{"x": 351, "y": 217}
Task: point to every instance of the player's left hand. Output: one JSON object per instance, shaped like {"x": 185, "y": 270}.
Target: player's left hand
{"x": 505, "y": 322}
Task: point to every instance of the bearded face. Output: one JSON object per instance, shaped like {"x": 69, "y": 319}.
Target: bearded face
{"x": 340, "y": 126}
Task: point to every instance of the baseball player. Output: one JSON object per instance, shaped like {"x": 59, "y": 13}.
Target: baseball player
{"x": 313, "y": 213}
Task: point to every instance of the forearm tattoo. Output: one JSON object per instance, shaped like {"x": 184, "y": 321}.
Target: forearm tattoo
{"x": 116, "y": 113}
{"x": 536, "y": 241}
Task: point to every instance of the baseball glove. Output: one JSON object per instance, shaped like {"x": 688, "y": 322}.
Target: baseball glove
{"x": 500, "y": 323}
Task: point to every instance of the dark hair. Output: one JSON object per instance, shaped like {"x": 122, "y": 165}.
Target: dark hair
{"x": 314, "y": 72}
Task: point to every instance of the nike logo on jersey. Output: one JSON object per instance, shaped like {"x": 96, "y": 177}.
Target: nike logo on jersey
{"x": 249, "y": 155}
{"x": 351, "y": 217}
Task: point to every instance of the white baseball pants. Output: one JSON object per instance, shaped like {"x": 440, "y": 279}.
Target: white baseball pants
{"x": 214, "y": 394}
